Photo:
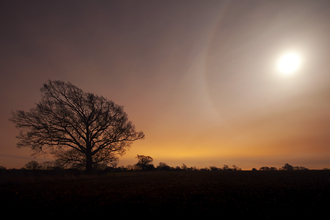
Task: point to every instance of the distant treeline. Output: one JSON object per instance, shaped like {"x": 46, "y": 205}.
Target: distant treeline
{"x": 52, "y": 165}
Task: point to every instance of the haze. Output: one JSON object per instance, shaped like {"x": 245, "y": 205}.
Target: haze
{"x": 199, "y": 78}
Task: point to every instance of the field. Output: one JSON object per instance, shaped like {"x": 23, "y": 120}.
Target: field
{"x": 217, "y": 194}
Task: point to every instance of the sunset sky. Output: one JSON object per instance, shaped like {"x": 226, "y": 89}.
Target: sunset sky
{"x": 198, "y": 77}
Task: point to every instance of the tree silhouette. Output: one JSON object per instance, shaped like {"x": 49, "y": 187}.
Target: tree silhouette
{"x": 144, "y": 161}
{"x": 265, "y": 168}
{"x": 213, "y": 168}
{"x": 33, "y": 165}
{"x": 163, "y": 166}
{"x": 287, "y": 167}
{"x": 236, "y": 168}
{"x": 69, "y": 121}
{"x": 226, "y": 167}
{"x": 184, "y": 167}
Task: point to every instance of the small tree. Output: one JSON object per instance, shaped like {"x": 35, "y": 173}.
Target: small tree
{"x": 163, "y": 166}
{"x": 265, "y": 168}
{"x": 68, "y": 121}
{"x": 287, "y": 167}
{"x": 213, "y": 168}
{"x": 184, "y": 167}
{"x": 33, "y": 165}
{"x": 144, "y": 162}
{"x": 236, "y": 168}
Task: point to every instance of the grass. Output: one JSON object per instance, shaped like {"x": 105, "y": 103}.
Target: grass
{"x": 262, "y": 195}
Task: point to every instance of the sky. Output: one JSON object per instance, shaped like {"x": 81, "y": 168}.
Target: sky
{"x": 199, "y": 78}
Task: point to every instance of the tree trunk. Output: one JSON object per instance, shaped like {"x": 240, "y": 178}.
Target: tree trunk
{"x": 89, "y": 162}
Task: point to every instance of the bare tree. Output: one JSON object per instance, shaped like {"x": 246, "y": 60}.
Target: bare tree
{"x": 265, "y": 168}
{"x": 144, "y": 161}
{"x": 76, "y": 125}
{"x": 184, "y": 167}
{"x": 163, "y": 166}
{"x": 177, "y": 168}
{"x": 33, "y": 165}
{"x": 287, "y": 167}
{"x": 225, "y": 167}
{"x": 236, "y": 168}
{"x": 213, "y": 168}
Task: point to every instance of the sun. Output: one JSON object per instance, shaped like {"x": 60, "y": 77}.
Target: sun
{"x": 289, "y": 63}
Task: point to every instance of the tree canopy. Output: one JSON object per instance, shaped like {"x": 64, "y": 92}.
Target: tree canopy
{"x": 144, "y": 161}
{"x": 75, "y": 125}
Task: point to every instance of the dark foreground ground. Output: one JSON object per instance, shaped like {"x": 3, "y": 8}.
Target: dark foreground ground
{"x": 180, "y": 194}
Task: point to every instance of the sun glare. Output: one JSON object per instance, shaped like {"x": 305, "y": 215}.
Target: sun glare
{"x": 289, "y": 63}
